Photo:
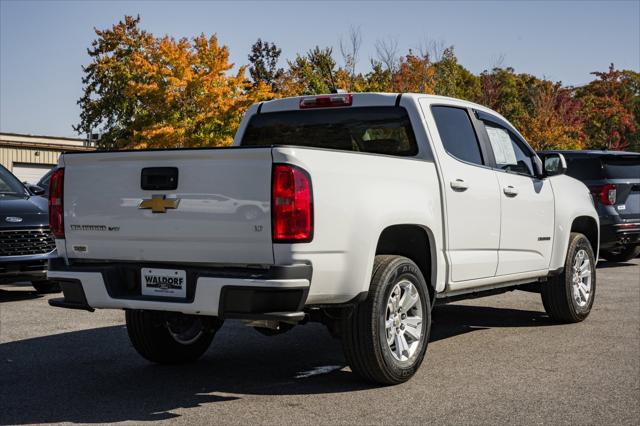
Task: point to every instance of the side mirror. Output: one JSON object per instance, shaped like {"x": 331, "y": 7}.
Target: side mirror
{"x": 554, "y": 164}
{"x": 35, "y": 189}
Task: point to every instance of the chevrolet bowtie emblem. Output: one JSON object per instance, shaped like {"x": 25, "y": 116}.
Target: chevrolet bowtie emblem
{"x": 159, "y": 203}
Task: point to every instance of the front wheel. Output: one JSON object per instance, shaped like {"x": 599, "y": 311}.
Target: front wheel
{"x": 385, "y": 338}
{"x": 170, "y": 338}
{"x": 569, "y": 296}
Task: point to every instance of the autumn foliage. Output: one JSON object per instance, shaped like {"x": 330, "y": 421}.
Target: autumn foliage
{"x": 143, "y": 91}
{"x": 148, "y": 92}
{"x": 611, "y": 109}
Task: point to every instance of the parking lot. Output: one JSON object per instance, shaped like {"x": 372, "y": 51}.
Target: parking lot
{"x": 492, "y": 360}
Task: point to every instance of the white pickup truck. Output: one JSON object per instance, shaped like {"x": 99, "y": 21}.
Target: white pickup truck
{"x": 360, "y": 211}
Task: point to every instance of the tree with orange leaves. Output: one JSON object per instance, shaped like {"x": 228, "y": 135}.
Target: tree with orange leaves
{"x": 611, "y": 107}
{"x": 142, "y": 91}
{"x": 554, "y": 120}
{"x": 415, "y": 74}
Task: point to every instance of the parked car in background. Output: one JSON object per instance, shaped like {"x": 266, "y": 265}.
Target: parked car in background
{"x": 44, "y": 181}
{"x": 613, "y": 178}
{"x": 26, "y": 243}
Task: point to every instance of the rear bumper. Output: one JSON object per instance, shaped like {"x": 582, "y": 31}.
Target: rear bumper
{"x": 614, "y": 235}
{"x": 245, "y": 293}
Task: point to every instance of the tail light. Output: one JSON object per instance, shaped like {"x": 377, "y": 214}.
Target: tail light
{"x": 291, "y": 205}
{"x": 56, "y": 208}
{"x": 605, "y": 193}
{"x": 326, "y": 101}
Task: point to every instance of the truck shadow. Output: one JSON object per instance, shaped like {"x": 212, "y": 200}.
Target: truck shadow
{"x": 604, "y": 264}
{"x": 95, "y": 376}
{"x": 453, "y": 320}
{"x": 15, "y": 296}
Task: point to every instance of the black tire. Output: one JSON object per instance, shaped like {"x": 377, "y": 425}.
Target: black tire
{"x": 625, "y": 254}
{"x": 44, "y": 286}
{"x": 558, "y": 294}
{"x": 364, "y": 337}
{"x": 149, "y": 332}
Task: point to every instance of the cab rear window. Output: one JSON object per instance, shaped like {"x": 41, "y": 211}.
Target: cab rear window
{"x": 604, "y": 167}
{"x": 622, "y": 168}
{"x": 377, "y": 130}
{"x": 585, "y": 168}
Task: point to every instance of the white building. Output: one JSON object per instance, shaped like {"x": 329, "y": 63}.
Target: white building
{"x": 30, "y": 157}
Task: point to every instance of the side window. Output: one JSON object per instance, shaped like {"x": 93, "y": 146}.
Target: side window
{"x": 509, "y": 153}
{"x": 457, "y": 134}
{"x": 45, "y": 182}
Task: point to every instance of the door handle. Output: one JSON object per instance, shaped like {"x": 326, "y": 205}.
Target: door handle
{"x": 510, "y": 191}
{"x": 459, "y": 185}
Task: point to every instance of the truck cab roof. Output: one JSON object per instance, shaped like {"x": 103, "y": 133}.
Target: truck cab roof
{"x": 366, "y": 99}
{"x": 363, "y": 99}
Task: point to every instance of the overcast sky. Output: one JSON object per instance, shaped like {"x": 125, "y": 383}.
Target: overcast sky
{"x": 43, "y": 43}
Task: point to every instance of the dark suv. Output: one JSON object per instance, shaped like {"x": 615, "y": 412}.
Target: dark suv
{"x": 44, "y": 181}
{"x": 26, "y": 244}
{"x": 614, "y": 180}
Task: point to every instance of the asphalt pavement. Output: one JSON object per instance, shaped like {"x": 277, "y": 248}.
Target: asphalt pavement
{"x": 494, "y": 360}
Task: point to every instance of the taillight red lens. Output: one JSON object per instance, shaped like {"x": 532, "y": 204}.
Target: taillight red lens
{"x": 326, "y": 101}
{"x": 291, "y": 205}
{"x": 56, "y": 213}
{"x": 607, "y": 194}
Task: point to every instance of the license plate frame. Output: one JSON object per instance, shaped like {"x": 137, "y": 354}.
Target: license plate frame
{"x": 162, "y": 282}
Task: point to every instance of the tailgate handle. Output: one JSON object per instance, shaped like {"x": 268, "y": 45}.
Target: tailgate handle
{"x": 159, "y": 178}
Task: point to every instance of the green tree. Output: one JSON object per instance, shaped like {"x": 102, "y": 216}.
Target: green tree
{"x": 379, "y": 79}
{"x": 310, "y": 74}
{"x": 454, "y": 80}
{"x": 263, "y": 61}
{"x": 105, "y": 101}
{"x": 507, "y": 93}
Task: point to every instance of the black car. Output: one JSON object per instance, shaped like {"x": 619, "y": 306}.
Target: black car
{"x": 614, "y": 180}
{"x": 44, "y": 181}
{"x": 26, "y": 244}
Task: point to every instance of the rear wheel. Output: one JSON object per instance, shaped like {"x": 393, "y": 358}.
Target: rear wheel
{"x": 569, "y": 296}
{"x": 46, "y": 286}
{"x": 385, "y": 338}
{"x": 623, "y": 254}
{"x": 170, "y": 338}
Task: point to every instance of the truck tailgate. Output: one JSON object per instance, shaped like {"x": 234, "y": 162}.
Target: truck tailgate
{"x": 219, "y": 212}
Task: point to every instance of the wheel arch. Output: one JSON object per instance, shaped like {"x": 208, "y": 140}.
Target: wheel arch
{"x": 574, "y": 212}
{"x": 415, "y": 242}
{"x": 588, "y": 226}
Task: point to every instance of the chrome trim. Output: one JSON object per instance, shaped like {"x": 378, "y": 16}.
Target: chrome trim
{"x": 44, "y": 230}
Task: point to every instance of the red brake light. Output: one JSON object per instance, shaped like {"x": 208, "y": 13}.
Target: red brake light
{"x": 326, "y": 101}
{"x": 291, "y": 205}
{"x": 607, "y": 194}
{"x": 56, "y": 212}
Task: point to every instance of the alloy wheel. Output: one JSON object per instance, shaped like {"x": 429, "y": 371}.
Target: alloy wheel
{"x": 403, "y": 320}
{"x": 581, "y": 279}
